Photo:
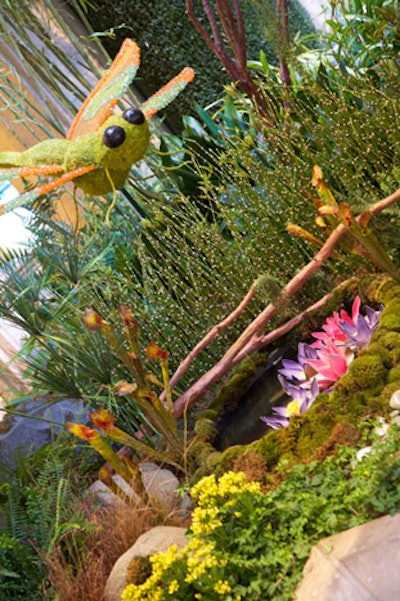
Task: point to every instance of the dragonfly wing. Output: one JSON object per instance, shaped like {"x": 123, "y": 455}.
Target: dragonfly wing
{"x": 115, "y": 82}
{"x": 28, "y": 197}
{"x": 167, "y": 93}
{"x": 8, "y": 174}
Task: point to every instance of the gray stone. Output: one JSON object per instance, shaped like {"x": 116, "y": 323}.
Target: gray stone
{"x": 159, "y": 538}
{"x": 27, "y": 433}
{"x": 360, "y": 564}
{"x": 160, "y": 485}
{"x": 106, "y": 497}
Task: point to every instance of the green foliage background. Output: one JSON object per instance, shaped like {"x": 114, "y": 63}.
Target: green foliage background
{"x": 169, "y": 42}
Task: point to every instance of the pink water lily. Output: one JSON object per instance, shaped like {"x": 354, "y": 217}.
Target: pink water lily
{"x": 332, "y": 363}
{"x": 320, "y": 364}
{"x": 333, "y": 326}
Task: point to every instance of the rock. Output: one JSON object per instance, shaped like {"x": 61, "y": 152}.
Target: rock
{"x": 361, "y": 453}
{"x": 160, "y": 485}
{"x": 382, "y": 427}
{"x": 396, "y": 420}
{"x": 360, "y": 564}
{"x": 27, "y": 433}
{"x": 395, "y": 400}
{"x": 159, "y": 538}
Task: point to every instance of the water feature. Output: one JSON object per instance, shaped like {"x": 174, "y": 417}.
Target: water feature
{"x": 243, "y": 425}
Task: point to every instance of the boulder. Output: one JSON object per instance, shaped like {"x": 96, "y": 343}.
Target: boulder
{"x": 359, "y": 564}
{"x": 160, "y": 485}
{"x": 159, "y": 538}
{"x": 41, "y": 423}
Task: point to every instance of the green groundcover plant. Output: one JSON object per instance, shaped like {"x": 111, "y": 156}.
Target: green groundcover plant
{"x": 249, "y": 544}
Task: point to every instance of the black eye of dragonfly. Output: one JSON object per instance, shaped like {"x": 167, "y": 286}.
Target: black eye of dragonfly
{"x": 134, "y": 116}
{"x": 114, "y": 136}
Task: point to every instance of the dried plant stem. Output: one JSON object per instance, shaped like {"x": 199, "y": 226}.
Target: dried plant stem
{"x": 282, "y": 17}
{"x": 252, "y": 332}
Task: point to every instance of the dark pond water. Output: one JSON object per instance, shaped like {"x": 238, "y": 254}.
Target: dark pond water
{"x": 243, "y": 425}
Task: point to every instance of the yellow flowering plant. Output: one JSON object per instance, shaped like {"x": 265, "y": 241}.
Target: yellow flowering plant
{"x": 250, "y": 545}
{"x": 200, "y": 570}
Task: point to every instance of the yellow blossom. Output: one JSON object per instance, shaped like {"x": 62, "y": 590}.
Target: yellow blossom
{"x": 173, "y": 587}
{"x": 222, "y": 587}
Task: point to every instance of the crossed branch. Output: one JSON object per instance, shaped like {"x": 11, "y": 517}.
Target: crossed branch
{"x": 252, "y": 338}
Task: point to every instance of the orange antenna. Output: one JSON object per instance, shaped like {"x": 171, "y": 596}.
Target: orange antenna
{"x": 167, "y": 93}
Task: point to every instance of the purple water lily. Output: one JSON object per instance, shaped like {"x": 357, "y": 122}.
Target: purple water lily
{"x": 299, "y": 371}
{"x": 302, "y": 399}
{"x": 359, "y": 335}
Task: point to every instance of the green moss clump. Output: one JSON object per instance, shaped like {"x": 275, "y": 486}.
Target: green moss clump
{"x": 368, "y": 371}
{"x": 377, "y": 347}
{"x": 390, "y": 340}
{"x": 387, "y": 393}
{"x": 394, "y": 375}
{"x": 205, "y": 427}
{"x": 198, "y": 451}
{"x": 390, "y": 319}
{"x": 387, "y": 290}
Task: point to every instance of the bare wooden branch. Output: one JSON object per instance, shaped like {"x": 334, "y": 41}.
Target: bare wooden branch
{"x": 259, "y": 341}
{"x": 210, "y": 336}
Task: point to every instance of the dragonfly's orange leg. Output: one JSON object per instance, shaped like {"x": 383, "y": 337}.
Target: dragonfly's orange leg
{"x": 67, "y": 177}
{"x": 28, "y": 197}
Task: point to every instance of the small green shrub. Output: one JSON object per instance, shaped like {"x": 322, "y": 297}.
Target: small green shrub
{"x": 20, "y": 572}
{"x": 38, "y": 504}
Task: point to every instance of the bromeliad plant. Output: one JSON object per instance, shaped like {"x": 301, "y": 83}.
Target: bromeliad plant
{"x": 359, "y": 238}
{"x": 158, "y": 417}
{"x": 320, "y": 364}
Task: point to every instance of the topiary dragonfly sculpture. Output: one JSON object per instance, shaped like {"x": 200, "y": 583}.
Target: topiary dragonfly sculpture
{"x": 100, "y": 146}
